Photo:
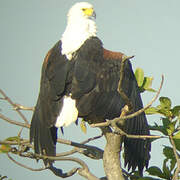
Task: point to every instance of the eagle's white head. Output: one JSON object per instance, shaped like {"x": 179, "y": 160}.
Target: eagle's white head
{"x": 80, "y": 26}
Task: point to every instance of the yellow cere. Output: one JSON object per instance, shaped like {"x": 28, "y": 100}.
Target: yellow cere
{"x": 88, "y": 11}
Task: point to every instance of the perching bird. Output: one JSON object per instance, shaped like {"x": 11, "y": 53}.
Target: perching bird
{"x": 80, "y": 79}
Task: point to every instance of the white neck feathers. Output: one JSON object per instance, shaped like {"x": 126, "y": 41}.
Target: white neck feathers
{"x": 78, "y": 30}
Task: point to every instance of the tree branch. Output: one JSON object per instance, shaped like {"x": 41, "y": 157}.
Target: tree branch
{"x": 111, "y": 157}
{"x": 175, "y": 177}
{"x": 59, "y": 172}
{"x": 91, "y": 151}
{"x": 84, "y": 171}
{"x": 120, "y": 90}
{"x": 14, "y": 106}
{"x": 21, "y": 107}
{"x": 24, "y": 166}
{"x": 14, "y": 122}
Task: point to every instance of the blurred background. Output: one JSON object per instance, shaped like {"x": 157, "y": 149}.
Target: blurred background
{"x": 28, "y": 29}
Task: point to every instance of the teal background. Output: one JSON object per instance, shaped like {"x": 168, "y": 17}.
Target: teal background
{"x": 148, "y": 29}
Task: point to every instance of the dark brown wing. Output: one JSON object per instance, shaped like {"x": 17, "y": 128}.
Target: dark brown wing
{"x": 95, "y": 83}
{"x": 55, "y": 80}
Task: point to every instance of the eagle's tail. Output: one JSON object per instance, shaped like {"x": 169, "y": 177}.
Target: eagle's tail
{"x": 44, "y": 137}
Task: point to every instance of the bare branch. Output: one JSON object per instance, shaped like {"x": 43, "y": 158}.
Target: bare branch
{"x": 21, "y": 107}
{"x": 14, "y": 106}
{"x": 120, "y": 90}
{"x": 23, "y": 142}
{"x": 90, "y": 151}
{"x": 84, "y": 171}
{"x": 14, "y": 122}
{"x": 132, "y": 136}
{"x": 24, "y": 166}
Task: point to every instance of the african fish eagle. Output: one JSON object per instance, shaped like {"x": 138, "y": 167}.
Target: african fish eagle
{"x": 80, "y": 79}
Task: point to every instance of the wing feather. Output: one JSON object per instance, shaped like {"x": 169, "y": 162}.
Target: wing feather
{"x": 55, "y": 79}
{"x": 95, "y": 83}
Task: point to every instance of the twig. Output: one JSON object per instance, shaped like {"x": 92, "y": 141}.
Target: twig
{"x": 121, "y": 92}
{"x": 90, "y": 151}
{"x": 115, "y": 120}
{"x": 24, "y": 166}
{"x": 14, "y": 122}
{"x": 175, "y": 177}
{"x": 14, "y": 106}
{"x": 21, "y": 107}
{"x": 84, "y": 171}
{"x": 21, "y": 142}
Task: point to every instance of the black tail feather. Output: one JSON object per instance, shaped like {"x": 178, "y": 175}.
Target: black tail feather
{"x": 44, "y": 137}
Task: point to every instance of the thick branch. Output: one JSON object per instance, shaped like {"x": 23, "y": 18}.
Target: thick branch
{"x": 111, "y": 157}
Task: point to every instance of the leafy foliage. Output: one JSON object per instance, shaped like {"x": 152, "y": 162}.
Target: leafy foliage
{"x": 144, "y": 83}
{"x": 5, "y": 148}
{"x": 170, "y": 128}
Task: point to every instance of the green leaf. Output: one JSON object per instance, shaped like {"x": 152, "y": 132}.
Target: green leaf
{"x": 168, "y": 152}
{"x": 177, "y": 135}
{"x": 176, "y": 139}
{"x": 176, "y": 111}
{"x": 159, "y": 128}
{"x": 5, "y": 148}
{"x": 165, "y": 112}
{"x": 139, "y": 74}
{"x": 172, "y": 164}
{"x": 155, "y": 171}
{"x": 165, "y": 122}
{"x": 147, "y": 178}
{"x": 165, "y": 103}
{"x": 177, "y": 144}
{"x": 151, "y": 110}
{"x": 150, "y": 90}
{"x": 166, "y": 170}
{"x": 83, "y": 126}
{"x": 147, "y": 83}
{"x": 171, "y": 128}
{"x": 14, "y": 138}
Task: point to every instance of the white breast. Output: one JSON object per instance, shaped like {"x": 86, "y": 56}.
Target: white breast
{"x": 68, "y": 114}
{"x": 76, "y": 33}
